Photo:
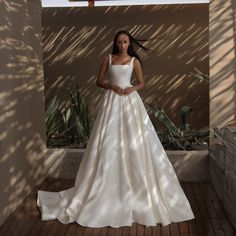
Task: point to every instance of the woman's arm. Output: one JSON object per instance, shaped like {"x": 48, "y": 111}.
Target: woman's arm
{"x": 101, "y": 74}
{"x": 138, "y": 74}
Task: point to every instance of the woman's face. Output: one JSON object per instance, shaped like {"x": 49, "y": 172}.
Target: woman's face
{"x": 123, "y": 42}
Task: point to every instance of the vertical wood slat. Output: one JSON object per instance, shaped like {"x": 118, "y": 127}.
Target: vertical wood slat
{"x": 91, "y": 3}
{"x": 201, "y": 197}
{"x": 111, "y": 231}
{"x": 80, "y": 231}
{"x": 133, "y": 230}
{"x": 147, "y": 231}
{"x": 165, "y": 231}
{"x": 104, "y": 231}
{"x": 71, "y": 229}
{"x": 125, "y": 231}
{"x": 156, "y": 230}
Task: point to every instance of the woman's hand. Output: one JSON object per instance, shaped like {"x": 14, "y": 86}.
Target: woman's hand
{"x": 128, "y": 90}
{"x": 117, "y": 89}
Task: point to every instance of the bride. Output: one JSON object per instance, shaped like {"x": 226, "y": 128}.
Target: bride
{"x": 125, "y": 175}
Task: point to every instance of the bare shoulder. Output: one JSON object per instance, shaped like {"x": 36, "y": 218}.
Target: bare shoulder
{"x": 105, "y": 59}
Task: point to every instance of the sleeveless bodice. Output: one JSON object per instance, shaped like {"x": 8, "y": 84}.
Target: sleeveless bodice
{"x": 120, "y": 75}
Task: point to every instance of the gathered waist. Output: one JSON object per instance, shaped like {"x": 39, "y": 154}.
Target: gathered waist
{"x": 122, "y": 85}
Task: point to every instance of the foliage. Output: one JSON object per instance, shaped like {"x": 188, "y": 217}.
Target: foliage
{"x": 182, "y": 137}
{"x": 69, "y": 125}
{"x": 199, "y": 75}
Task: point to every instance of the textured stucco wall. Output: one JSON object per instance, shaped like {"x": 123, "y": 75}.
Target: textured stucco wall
{"x": 75, "y": 41}
{"x": 22, "y": 128}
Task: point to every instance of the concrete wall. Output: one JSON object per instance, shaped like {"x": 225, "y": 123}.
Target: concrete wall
{"x": 188, "y": 165}
{"x": 222, "y": 36}
{"x": 75, "y": 41}
{"x": 22, "y": 131}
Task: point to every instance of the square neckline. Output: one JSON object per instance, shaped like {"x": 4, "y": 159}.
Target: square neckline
{"x": 119, "y": 64}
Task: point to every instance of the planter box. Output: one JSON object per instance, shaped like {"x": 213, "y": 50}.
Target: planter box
{"x": 62, "y": 162}
{"x": 189, "y": 165}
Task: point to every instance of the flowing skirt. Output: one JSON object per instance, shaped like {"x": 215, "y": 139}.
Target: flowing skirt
{"x": 125, "y": 175}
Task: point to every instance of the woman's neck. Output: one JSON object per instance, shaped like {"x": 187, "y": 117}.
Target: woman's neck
{"x": 123, "y": 54}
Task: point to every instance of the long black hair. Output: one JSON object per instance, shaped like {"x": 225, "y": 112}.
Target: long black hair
{"x": 133, "y": 46}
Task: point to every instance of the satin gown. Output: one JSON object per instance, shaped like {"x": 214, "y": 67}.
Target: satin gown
{"x": 125, "y": 175}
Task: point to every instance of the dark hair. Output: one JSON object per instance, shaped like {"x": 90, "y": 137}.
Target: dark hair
{"x": 134, "y": 44}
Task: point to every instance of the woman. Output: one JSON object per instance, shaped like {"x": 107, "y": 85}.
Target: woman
{"x": 125, "y": 175}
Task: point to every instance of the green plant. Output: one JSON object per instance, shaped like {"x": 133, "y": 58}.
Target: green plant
{"x": 80, "y": 112}
{"x": 53, "y": 124}
{"x": 183, "y": 137}
{"x": 199, "y": 75}
{"x": 69, "y": 125}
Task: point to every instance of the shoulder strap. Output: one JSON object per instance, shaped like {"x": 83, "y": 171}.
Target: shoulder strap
{"x": 132, "y": 60}
{"x": 109, "y": 58}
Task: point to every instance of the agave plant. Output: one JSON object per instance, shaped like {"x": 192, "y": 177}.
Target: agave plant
{"x": 80, "y": 112}
{"x": 69, "y": 125}
{"x": 53, "y": 124}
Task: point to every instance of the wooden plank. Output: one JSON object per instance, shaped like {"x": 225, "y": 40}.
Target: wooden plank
{"x": 183, "y": 227}
{"x": 192, "y": 227}
{"x": 201, "y": 197}
{"x": 111, "y": 231}
{"x": 227, "y": 227}
{"x": 165, "y": 230}
{"x": 148, "y": 231}
{"x": 219, "y": 216}
{"x": 140, "y": 230}
{"x": 62, "y": 229}
{"x": 36, "y": 228}
{"x": 174, "y": 228}
{"x": 125, "y": 231}
{"x": 184, "y": 234}
{"x": 156, "y": 230}
{"x": 96, "y": 232}
{"x": 80, "y": 230}
{"x": 45, "y": 228}
{"x": 118, "y": 231}
{"x": 87, "y": 231}
{"x": 212, "y": 214}
{"x": 189, "y": 194}
{"x": 71, "y": 229}
{"x": 54, "y": 228}
{"x": 196, "y": 209}
{"x": 104, "y": 231}
{"x": 133, "y": 229}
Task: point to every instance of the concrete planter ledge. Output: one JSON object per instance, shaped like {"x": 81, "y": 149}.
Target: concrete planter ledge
{"x": 189, "y": 165}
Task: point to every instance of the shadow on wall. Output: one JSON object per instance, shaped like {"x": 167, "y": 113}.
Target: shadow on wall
{"x": 22, "y": 103}
{"x": 75, "y": 41}
{"x": 223, "y": 64}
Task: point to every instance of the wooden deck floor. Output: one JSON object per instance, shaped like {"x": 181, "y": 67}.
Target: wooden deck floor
{"x": 210, "y": 219}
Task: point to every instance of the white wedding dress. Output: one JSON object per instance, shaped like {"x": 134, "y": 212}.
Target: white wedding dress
{"x": 125, "y": 175}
